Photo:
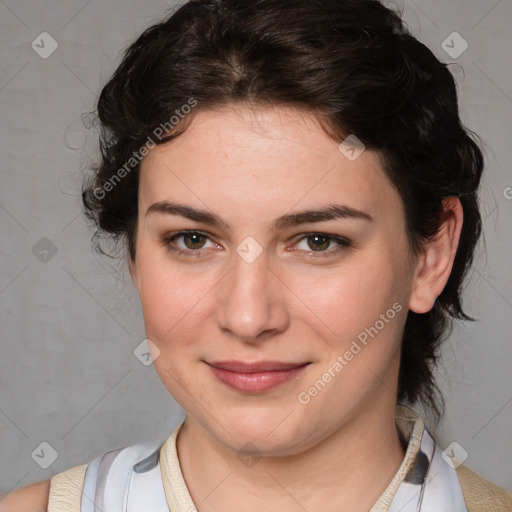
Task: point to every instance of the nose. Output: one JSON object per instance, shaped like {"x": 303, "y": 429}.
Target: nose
{"x": 252, "y": 302}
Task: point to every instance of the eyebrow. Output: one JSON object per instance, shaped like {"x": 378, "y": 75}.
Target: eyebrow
{"x": 331, "y": 212}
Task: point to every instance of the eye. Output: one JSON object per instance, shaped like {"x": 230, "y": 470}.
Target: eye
{"x": 193, "y": 243}
{"x": 187, "y": 242}
{"x": 322, "y": 243}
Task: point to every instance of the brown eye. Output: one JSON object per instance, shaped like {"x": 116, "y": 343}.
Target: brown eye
{"x": 318, "y": 242}
{"x": 190, "y": 243}
{"x": 194, "y": 240}
{"x": 322, "y": 244}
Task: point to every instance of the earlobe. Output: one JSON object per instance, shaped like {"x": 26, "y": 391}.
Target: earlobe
{"x": 435, "y": 263}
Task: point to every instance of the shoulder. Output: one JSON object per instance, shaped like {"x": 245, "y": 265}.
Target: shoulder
{"x": 107, "y": 478}
{"x": 62, "y": 492}
{"x": 66, "y": 490}
{"x": 31, "y": 498}
{"x": 480, "y": 494}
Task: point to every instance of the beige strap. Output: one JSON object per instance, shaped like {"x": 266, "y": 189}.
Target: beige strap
{"x": 66, "y": 490}
{"x": 481, "y": 495}
{"x": 411, "y": 426}
{"x": 175, "y": 488}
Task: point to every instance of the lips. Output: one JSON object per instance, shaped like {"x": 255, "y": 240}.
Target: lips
{"x": 257, "y": 376}
{"x": 261, "y": 366}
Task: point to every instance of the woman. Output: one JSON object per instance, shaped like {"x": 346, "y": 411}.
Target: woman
{"x": 298, "y": 199}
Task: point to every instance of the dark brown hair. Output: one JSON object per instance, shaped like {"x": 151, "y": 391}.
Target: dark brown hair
{"x": 352, "y": 62}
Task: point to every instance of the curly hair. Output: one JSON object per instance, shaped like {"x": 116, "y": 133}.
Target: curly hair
{"x": 351, "y": 62}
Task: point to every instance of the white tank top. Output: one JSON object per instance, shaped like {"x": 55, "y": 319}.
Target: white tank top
{"x": 128, "y": 479}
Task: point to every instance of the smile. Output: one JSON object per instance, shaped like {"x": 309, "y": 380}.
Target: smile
{"x": 255, "y": 377}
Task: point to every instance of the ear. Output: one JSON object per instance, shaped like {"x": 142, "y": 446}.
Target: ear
{"x": 436, "y": 261}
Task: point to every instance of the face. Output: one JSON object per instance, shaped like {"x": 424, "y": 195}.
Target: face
{"x": 274, "y": 276}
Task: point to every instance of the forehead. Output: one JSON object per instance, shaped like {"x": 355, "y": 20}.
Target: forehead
{"x": 242, "y": 160}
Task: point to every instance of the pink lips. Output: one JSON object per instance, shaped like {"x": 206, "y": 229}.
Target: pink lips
{"x": 255, "y": 377}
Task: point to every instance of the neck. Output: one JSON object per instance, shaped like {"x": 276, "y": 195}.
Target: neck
{"x": 349, "y": 470}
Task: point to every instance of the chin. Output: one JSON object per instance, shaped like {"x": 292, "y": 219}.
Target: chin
{"x": 270, "y": 430}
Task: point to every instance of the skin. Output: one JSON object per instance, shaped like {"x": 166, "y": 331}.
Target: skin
{"x": 292, "y": 303}
{"x": 30, "y": 498}
{"x": 250, "y": 167}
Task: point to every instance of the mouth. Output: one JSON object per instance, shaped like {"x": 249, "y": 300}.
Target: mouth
{"x": 255, "y": 377}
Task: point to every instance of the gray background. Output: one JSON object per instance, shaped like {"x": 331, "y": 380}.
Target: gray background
{"x": 68, "y": 375}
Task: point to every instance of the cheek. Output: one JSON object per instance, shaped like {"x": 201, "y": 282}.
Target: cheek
{"x": 359, "y": 315}
{"x": 362, "y": 315}
{"x": 172, "y": 297}
{"x": 350, "y": 298}
{"x": 174, "y": 303}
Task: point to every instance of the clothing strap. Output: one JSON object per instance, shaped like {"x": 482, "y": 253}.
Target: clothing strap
{"x": 66, "y": 490}
{"x": 176, "y": 491}
{"x": 424, "y": 482}
{"x": 148, "y": 477}
{"x": 482, "y": 495}
{"x": 123, "y": 480}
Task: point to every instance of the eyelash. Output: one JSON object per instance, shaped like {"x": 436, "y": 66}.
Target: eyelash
{"x": 167, "y": 241}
